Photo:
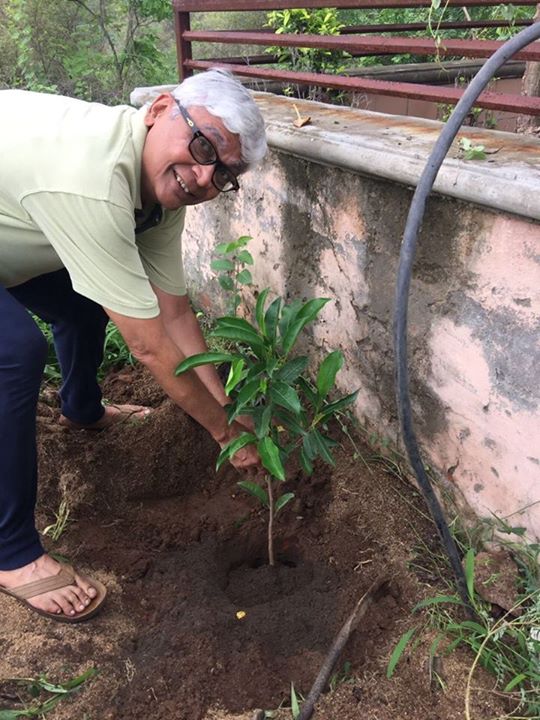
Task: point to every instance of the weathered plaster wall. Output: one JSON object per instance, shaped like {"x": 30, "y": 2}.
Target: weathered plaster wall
{"x": 474, "y": 313}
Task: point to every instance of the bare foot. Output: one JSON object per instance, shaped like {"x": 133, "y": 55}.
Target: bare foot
{"x": 69, "y": 600}
{"x": 113, "y": 414}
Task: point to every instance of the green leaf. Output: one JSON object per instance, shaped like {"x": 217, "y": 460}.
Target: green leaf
{"x": 236, "y": 374}
{"x": 270, "y": 458}
{"x": 207, "y": 358}
{"x": 261, "y": 418}
{"x": 337, "y": 405}
{"x": 226, "y": 282}
{"x": 295, "y": 705}
{"x": 246, "y": 394}
{"x": 308, "y": 390}
{"x": 222, "y": 264}
{"x": 290, "y": 422}
{"x": 306, "y": 314}
{"x": 326, "y": 377}
{"x": 437, "y": 601}
{"x": 469, "y": 572}
{"x": 244, "y": 277}
{"x": 476, "y": 627}
{"x": 285, "y": 396}
{"x": 245, "y": 257}
{"x": 233, "y": 446}
{"x": 515, "y": 681}
{"x": 259, "y": 310}
{"x": 239, "y": 335}
{"x": 292, "y": 369}
{"x": 288, "y": 315}
{"x": 398, "y": 651}
{"x": 255, "y": 490}
{"x": 271, "y": 318}
{"x": 306, "y": 463}
{"x": 223, "y": 248}
{"x": 243, "y": 241}
{"x": 323, "y": 445}
{"x": 310, "y": 447}
{"x": 282, "y": 501}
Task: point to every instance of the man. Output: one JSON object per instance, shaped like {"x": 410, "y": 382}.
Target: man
{"x": 92, "y": 204}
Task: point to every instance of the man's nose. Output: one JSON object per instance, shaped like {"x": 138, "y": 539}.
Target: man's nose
{"x": 203, "y": 175}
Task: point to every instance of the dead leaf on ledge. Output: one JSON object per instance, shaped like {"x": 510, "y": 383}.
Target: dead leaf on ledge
{"x": 301, "y": 120}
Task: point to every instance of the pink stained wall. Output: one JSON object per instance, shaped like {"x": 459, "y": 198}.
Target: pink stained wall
{"x": 474, "y": 314}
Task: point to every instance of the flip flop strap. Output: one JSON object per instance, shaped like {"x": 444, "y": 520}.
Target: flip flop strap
{"x": 38, "y": 587}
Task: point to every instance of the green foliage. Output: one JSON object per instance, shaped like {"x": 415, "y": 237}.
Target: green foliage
{"x": 324, "y": 21}
{"x": 231, "y": 268}
{"x": 471, "y": 151}
{"x": 43, "y": 695}
{"x": 508, "y": 646}
{"x": 266, "y": 383}
{"x": 94, "y": 50}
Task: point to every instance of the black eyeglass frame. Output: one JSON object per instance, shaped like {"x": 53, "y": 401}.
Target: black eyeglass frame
{"x": 196, "y": 134}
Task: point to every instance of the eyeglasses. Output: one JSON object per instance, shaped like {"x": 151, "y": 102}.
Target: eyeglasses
{"x": 204, "y": 153}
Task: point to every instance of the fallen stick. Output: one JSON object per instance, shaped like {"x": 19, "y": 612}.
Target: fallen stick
{"x": 375, "y": 592}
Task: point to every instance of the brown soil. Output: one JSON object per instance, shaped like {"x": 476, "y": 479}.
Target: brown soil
{"x": 182, "y": 551}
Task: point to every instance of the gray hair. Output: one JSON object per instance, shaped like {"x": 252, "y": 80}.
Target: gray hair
{"x": 219, "y": 92}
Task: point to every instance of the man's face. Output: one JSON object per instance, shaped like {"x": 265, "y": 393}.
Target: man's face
{"x": 170, "y": 176}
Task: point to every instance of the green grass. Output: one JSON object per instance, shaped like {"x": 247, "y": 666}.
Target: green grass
{"x": 508, "y": 646}
{"x": 36, "y": 697}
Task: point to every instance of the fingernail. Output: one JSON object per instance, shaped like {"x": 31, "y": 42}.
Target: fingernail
{"x": 72, "y": 612}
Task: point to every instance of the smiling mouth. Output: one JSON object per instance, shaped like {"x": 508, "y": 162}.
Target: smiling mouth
{"x": 181, "y": 183}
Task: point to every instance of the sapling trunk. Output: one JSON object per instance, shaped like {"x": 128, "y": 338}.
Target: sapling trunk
{"x": 269, "y": 487}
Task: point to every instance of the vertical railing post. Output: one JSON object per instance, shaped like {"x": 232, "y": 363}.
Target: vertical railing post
{"x": 183, "y": 46}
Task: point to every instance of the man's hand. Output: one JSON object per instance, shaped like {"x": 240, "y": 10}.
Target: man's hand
{"x": 247, "y": 458}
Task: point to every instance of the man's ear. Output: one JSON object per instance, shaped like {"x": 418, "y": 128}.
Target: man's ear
{"x": 160, "y": 105}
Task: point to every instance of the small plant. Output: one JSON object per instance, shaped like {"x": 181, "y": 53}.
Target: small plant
{"x": 470, "y": 151}
{"x": 56, "y": 529}
{"x": 231, "y": 269}
{"x": 38, "y": 696}
{"x": 267, "y": 383}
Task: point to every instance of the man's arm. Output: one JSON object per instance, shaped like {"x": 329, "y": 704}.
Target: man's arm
{"x": 151, "y": 345}
{"x": 183, "y": 328}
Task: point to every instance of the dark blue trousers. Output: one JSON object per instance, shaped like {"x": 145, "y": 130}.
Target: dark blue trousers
{"x": 78, "y": 326}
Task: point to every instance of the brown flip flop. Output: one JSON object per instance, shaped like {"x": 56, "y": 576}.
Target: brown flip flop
{"x": 138, "y": 413}
{"x": 65, "y": 577}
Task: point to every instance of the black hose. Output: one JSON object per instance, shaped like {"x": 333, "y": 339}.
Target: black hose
{"x": 408, "y": 248}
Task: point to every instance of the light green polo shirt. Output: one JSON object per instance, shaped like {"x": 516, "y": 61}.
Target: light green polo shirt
{"x": 70, "y": 175}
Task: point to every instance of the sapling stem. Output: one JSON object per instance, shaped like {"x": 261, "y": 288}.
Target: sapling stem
{"x": 269, "y": 487}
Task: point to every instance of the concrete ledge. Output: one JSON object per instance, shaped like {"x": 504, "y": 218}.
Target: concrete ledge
{"x": 396, "y": 148}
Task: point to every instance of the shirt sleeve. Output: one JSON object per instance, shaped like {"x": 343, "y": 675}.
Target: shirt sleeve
{"x": 160, "y": 249}
{"x": 95, "y": 240}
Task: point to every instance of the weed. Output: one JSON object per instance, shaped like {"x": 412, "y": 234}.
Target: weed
{"x": 507, "y": 646}
{"x": 470, "y": 151}
{"x": 56, "y": 529}
{"x": 38, "y": 696}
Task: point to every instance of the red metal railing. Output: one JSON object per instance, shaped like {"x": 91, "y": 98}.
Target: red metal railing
{"x": 357, "y": 41}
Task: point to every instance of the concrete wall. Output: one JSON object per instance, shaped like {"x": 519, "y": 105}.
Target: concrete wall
{"x": 320, "y": 228}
